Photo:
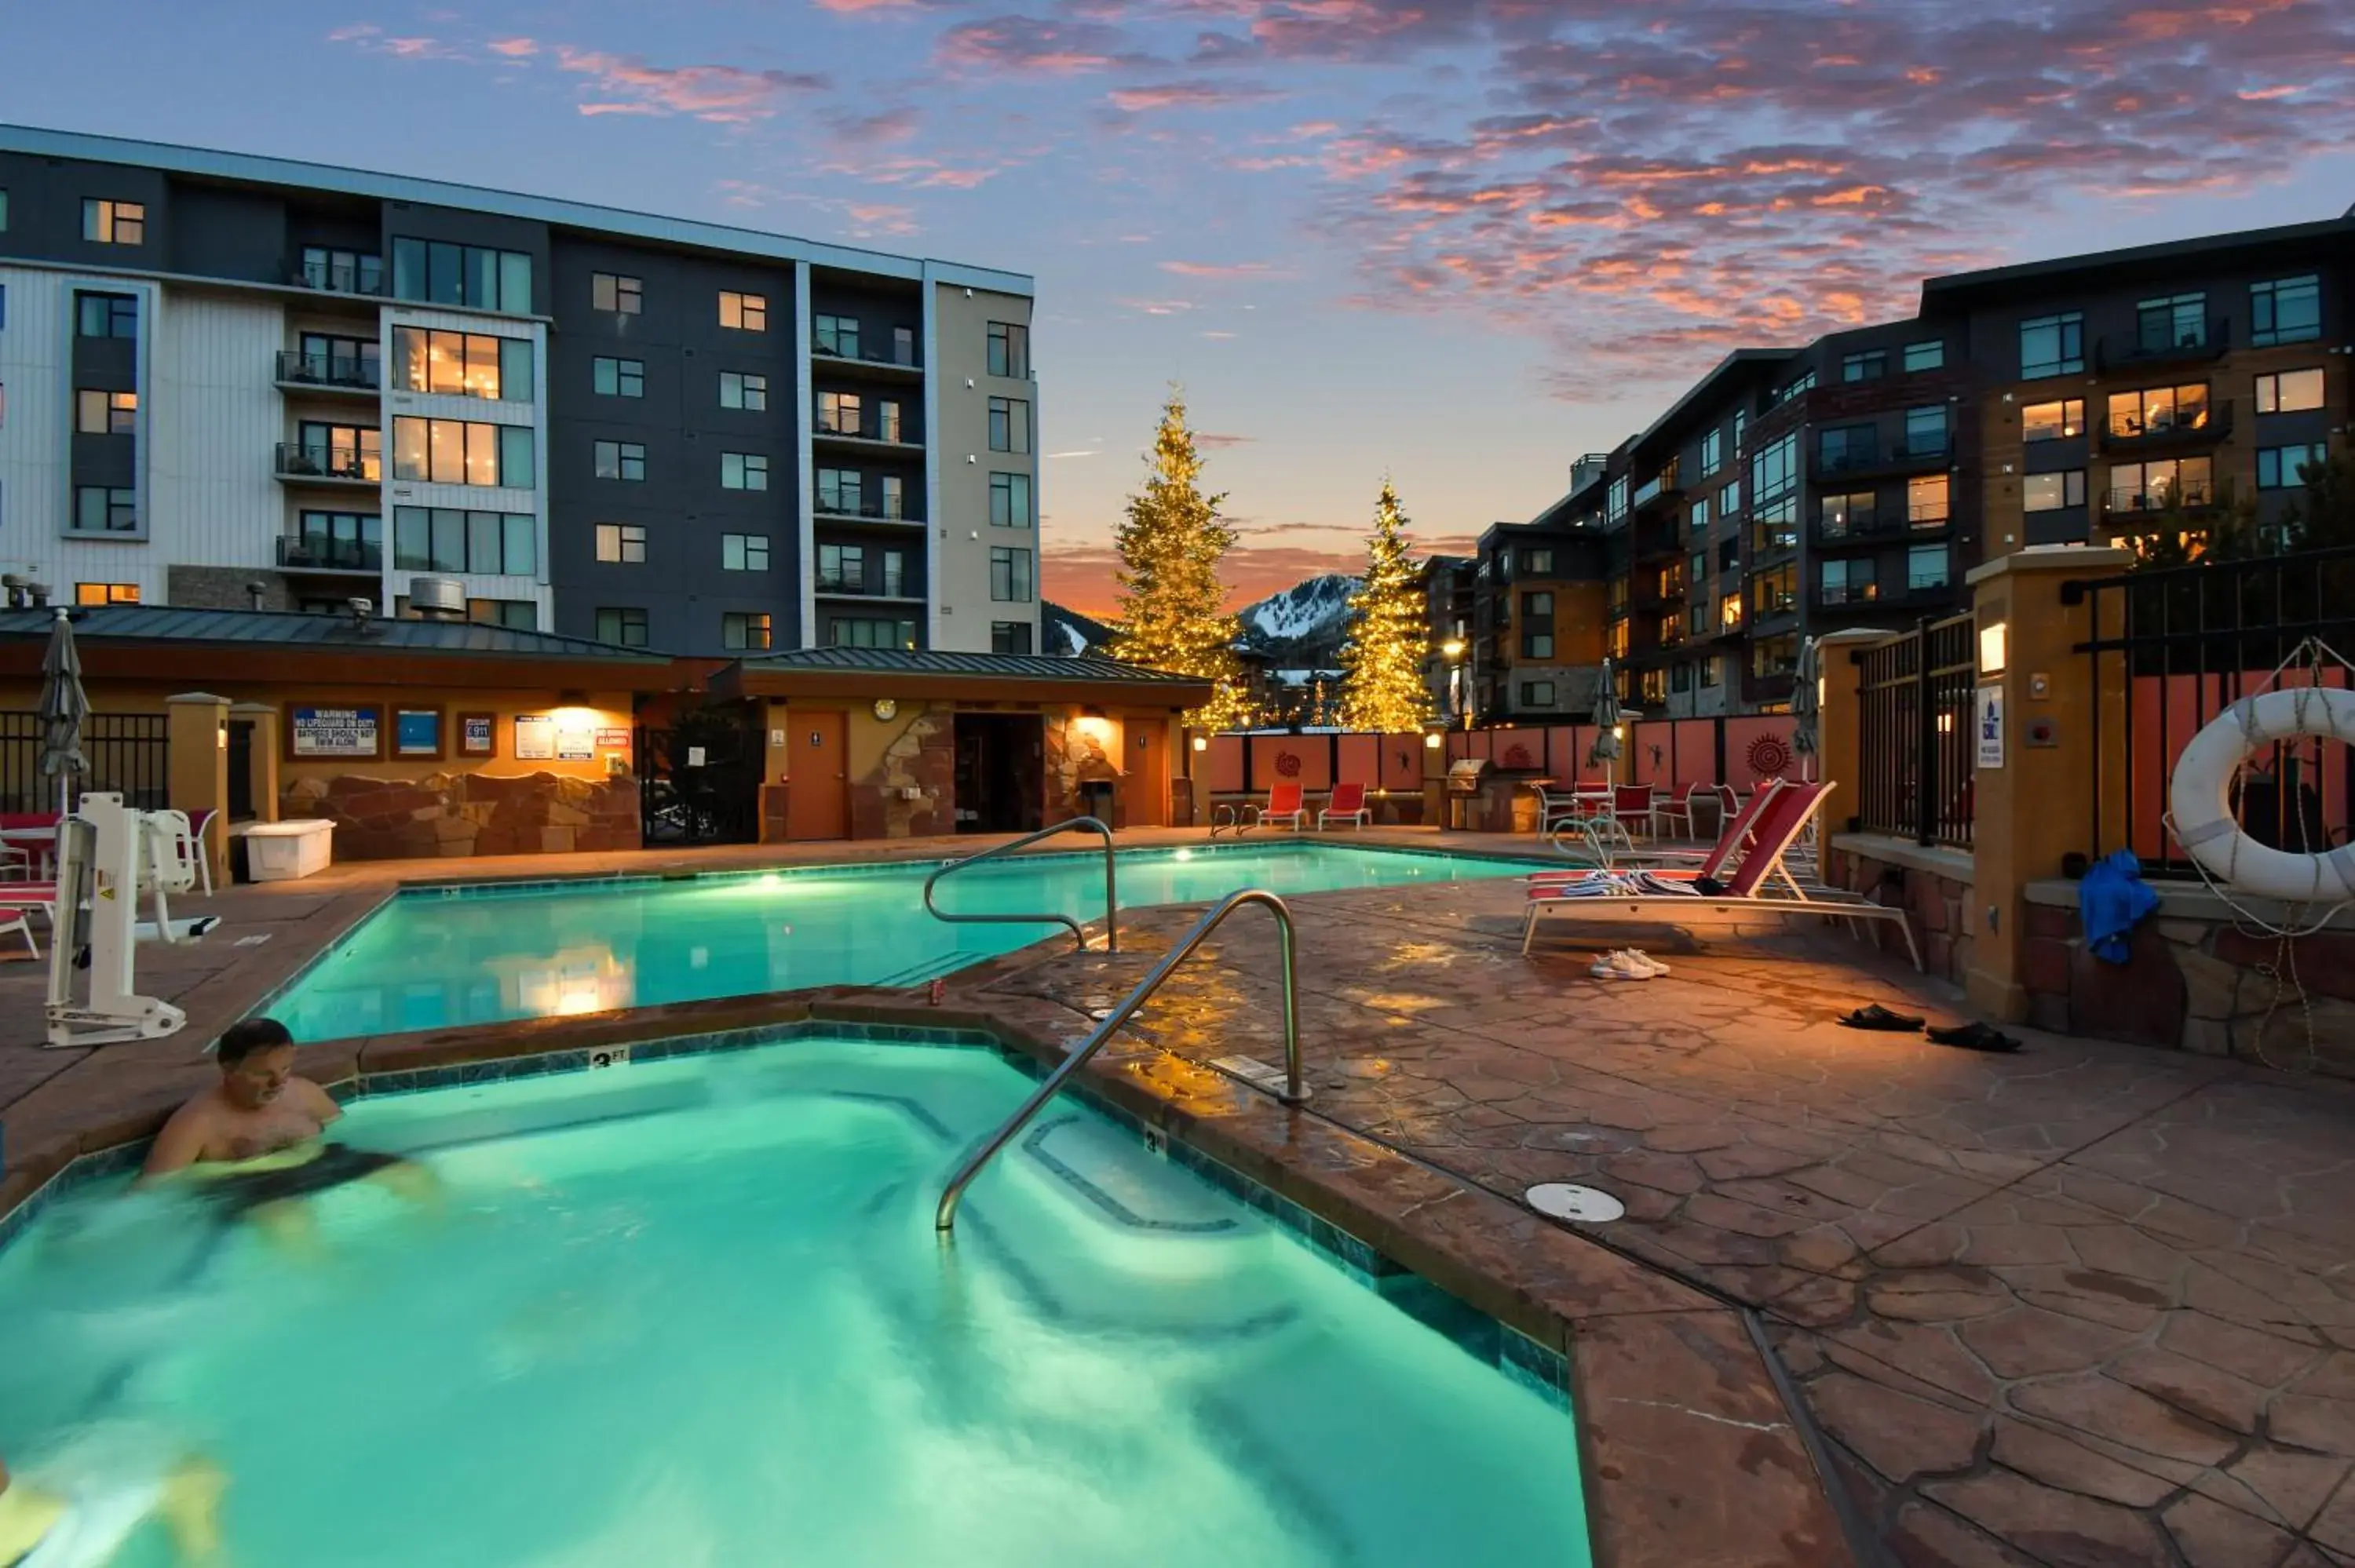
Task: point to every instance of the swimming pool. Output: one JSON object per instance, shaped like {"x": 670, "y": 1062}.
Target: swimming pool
{"x": 431, "y": 958}
{"x": 693, "y": 1312}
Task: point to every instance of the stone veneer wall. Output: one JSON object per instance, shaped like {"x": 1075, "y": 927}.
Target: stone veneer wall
{"x": 452, "y": 814}
{"x": 2199, "y": 985}
{"x": 1939, "y": 904}
{"x": 922, "y": 757}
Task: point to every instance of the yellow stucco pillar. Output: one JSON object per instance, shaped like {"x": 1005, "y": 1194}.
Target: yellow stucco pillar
{"x": 197, "y": 727}
{"x": 1839, "y": 722}
{"x": 260, "y": 757}
{"x": 2033, "y": 785}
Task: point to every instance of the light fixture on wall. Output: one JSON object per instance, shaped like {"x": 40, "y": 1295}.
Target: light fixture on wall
{"x": 1433, "y": 741}
{"x": 1995, "y": 649}
{"x": 1201, "y": 743}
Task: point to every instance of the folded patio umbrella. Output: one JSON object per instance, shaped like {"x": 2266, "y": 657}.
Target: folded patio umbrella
{"x": 1606, "y": 749}
{"x": 1804, "y": 707}
{"x": 64, "y": 707}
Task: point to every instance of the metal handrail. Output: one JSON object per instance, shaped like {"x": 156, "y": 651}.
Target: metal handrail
{"x": 1295, "y": 1092}
{"x": 1112, "y": 898}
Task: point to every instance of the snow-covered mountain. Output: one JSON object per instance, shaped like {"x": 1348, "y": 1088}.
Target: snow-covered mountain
{"x": 1306, "y": 623}
{"x": 1067, "y": 634}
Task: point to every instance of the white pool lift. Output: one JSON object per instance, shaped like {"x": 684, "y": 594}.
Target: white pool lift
{"x": 108, "y": 855}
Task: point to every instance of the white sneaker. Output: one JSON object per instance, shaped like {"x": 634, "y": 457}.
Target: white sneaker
{"x": 1643, "y": 961}
{"x": 1619, "y": 965}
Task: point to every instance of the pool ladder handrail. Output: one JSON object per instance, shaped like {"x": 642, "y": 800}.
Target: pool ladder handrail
{"x": 1079, "y": 936}
{"x": 1295, "y": 1091}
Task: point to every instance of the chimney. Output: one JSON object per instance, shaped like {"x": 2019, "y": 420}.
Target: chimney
{"x": 437, "y": 598}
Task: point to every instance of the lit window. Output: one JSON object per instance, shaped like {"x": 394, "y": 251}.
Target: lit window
{"x": 745, "y": 629}
{"x": 2156, "y": 410}
{"x": 2284, "y": 468}
{"x": 1926, "y": 500}
{"x": 2052, "y": 345}
{"x": 841, "y": 413}
{"x": 456, "y": 452}
{"x": 623, "y": 544}
{"x": 743, "y": 390}
{"x": 106, "y": 413}
{"x": 1844, "y": 514}
{"x": 462, "y": 364}
{"x": 2286, "y": 310}
{"x": 2052, "y": 491}
{"x": 114, "y": 222}
{"x": 336, "y": 452}
{"x": 618, "y": 377}
{"x": 743, "y": 471}
{"x": 106, "y": 593}
{"x": 616, "y": 291}
{"x": 2154, "y": 486}
{"x": 2052, "y": 421}
{"x": 744, "y": 313}
{"x": 2290, "y": 392}
{"x": 744, "y": 551}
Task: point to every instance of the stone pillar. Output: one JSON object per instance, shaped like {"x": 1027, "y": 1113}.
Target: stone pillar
{"x": 2037, "y": 805}
{"x": 1839, "y": 756}
{"x": 261, "y": 757}
{"x": 199, "y": 731}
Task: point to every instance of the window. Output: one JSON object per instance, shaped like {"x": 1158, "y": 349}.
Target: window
{"x": 1847, "y": 582}
{"x": 347, "y": 539}
{"x": 1844, "y": 514}
{"x": 1773, "y": 656}
{"x": 619, "y": 459}
{"x": 1775, "y": 469}
{"x": 1729, "y": 555}
{"x": 1536, "y": 626}
{"x": 1930, "y": 355}
{"x": 1009, "y": 575}
{"x": 1009, "y": 500}
{"x": 106, "y": 593}
{"x": 2286, "y": 310}
{"x": 622, "y": 543}
{"x": 2155, "y": 410}
{"x": 106, "y": 316}
{"x": 1927, "y": 501}
{"x": 895, "y": 574}
{"x": 1804, "y": 383}
{"x": 2052, "y": 421}
{"x": 339, "y": 451}
{"x": 626, "y": 627}
{"x": 1698, "y": 613}
{"x": 1009, "y": 637}
{"x": 461, "y": 363}
{"x": 838, "y": 490}
{"x": 1537, "y": 694}
{"x": 839, "y": 413}
{"x": 744, "y": 313}
{"x": 1698, "y": 575}
{"x": 868, "y": 633}
{"x": 114, "y": 222}
{"x": 456, "y": 452}
{"x": 2152, "y": 486}
{"x": 617, "y": 291}
{"x": 2282, "y": 468}
{"x": 1869, "y": 365}
{"x": 1009, "y": 425}
{"x": 342, "y": 271}
{"x": 487, "y": 544}
{"x": 4, "y": 212}
{"x": 1774, "y": 526}
{"x": 2180, "y": 321}
{"x": 1925, "y": 567}
{"x": 743, "y": 471}
{"x": 1536, "y": 563}
{"x": 1701, "y": 517}
{"x": 106, "y": 413}
{"x": 838, "y": 335}
{"x": 744, "y": 551}
{"x": 743, "y": 390}
{"x": 1729, "y": 612}
{"x": 1615, "y": 505}
{"x": 2052, "y": 491}
{"x": 101, "y": 510}
{"x": 335, "y": 360}
{"x": 2052, "y": 345}
{"x": 441, "y": 273}
{"x": 1925, "y": 431}
{"x": 2290, "y": 392}
{"x": 1741, "y": 424}
{"x": 887, "y": 420}
{"x": 1009, "y": 350}
{"x": 841, "y": 568}
{"x": 618, "y": 377}
{"x": 1846, "y": 447}
{"x": 1713, "y": 452}
{"x": 1771, "y": 593}
{"x": 1728, "y": 499}
{"x": 745, "y": 629}
{"x": 521, "y": 614}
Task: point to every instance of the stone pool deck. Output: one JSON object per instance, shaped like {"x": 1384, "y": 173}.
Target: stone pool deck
{"x": 2086, "y": 1305}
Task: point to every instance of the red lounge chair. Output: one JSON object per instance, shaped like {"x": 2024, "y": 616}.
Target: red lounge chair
{"x": 1347, "y": 805}
{"x": 1632, "y": 803}
{"x": 1284, "y": 808}
{"x": 1716, "y": 863}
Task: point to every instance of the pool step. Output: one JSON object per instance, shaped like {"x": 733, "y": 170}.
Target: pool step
{"x": 929, "y": 969}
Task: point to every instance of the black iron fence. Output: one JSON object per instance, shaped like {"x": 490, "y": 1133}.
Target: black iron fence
{"x": 2170, "y": 650}
{"x": 1914, "y": 697}
{"x": 128, "y": 754}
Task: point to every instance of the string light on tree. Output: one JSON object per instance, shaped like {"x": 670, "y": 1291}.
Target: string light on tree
{"x": 1381, "y": 663}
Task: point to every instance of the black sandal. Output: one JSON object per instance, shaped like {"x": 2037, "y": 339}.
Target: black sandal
{"x": 1876, "y": 1016}
{"x": 1973, "y": 1037}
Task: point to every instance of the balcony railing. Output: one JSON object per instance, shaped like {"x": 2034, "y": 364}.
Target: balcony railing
{"x": 1847, "y": 596}
{"x": 2210, "y": 424}
{"x": 2192, "y": 497}
{"x": 341, "y": 278}
{"x": 2127, "y": 351}
{"x": 892, "y": 436}
{"x": 1845, "y": 530}
{"x": 895, "y": 358}
{"x": 876, "y": 511}
{"x": 296, "y": 461}
{"x": 1907, "y": 455}
{"x": 313, "y": 553}
{"x": 849, "y": 587}
{"x": 342, "y": 370}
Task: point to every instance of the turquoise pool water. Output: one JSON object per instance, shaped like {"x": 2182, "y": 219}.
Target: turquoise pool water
{"x": 693, "y": 1313}
{"x": 429, "y": 961}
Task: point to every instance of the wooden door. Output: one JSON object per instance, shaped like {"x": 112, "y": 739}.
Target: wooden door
{"x": 1145, "y": 793}
{"x": 817, "y": 772}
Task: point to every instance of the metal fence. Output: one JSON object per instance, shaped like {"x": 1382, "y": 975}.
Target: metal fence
{"x": 129, "y": 754}
{"x": 2172, "y": 649}
{"x": 1913, "y": 719}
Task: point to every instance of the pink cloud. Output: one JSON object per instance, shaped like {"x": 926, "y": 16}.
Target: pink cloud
{"x": 1185, "y": 95}
{"x": 1231, "y": 269}
{"x": 725, "y": 94}
{"x": 513, "y": 48}
{"x": 1028, "y": 44}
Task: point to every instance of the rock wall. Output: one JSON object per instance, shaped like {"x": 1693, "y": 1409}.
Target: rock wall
{"x": 1075, "y": 756}
{"x": 455, "y": 814}
{"x": 922, "y": 757}
{"x": 1937, "y": 906}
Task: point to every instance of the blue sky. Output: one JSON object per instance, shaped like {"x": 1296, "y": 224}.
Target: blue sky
{"x": 1460, "y": 241}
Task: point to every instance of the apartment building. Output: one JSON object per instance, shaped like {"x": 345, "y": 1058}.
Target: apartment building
{"x": 1536, "y": 643}
{"x": 1853, "y": 482}
{"x": 236, "y": 381}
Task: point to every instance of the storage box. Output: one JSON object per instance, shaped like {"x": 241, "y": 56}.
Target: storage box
{"x": 284, "y": 852}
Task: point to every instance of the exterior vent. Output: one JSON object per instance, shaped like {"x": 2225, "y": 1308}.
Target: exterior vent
{"x": 438, "y": 599}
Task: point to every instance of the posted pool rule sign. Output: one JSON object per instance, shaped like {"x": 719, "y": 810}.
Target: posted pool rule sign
{"x": 1988, "y": 713}
{"x": 334, "y": 732}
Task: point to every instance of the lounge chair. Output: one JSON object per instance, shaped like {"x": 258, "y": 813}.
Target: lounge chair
{"x": 1716, "y": 863}
{"x": 1347, "y": 805}
{"x": 1678, "y": 897}
{"x": 1632, "y": 803}
{"x": 1286, "y": 807}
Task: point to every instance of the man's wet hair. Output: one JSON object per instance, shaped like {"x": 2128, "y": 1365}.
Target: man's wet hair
{"x": 246, "y": 1037}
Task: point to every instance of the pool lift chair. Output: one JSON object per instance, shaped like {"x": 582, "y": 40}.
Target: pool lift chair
{"x": 108, "y": 855}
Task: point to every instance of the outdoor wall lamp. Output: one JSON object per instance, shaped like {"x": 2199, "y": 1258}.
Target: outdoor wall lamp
{"x": 1431, "y": 742}
{"x": 1994, "y": 648}
{"x": 1201, "y": 743}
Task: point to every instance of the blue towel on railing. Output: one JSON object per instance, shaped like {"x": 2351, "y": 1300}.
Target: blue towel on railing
{"x": 2111, "y": 901}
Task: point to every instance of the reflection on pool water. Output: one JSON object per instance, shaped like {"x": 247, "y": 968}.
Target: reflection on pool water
{"x": 431, "y": 960}
{"x": 693, "y": 1313}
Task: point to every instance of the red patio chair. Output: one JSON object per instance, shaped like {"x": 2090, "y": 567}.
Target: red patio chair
{"x": 1347, "y": 805}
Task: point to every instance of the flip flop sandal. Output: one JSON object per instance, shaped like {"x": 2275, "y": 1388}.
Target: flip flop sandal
{"x": 1876, "y": 1016}
{"x": 1973, "y": 1037}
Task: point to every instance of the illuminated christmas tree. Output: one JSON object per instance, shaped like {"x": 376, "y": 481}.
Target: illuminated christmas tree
{"x": 1381, "y": 664}
{"x": 1170, "y": 548}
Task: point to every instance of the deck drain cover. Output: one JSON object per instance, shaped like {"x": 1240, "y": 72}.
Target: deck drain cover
{"x": 1562, "y": 1201}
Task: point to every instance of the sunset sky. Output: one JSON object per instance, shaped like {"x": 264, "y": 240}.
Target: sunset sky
{"x": 1457, "y": 240}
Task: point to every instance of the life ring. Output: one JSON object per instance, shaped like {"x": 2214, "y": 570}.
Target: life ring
{"x": 2200, "y": 798}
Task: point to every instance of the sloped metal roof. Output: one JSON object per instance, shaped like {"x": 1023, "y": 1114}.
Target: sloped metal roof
{"x": 1002, "y": 666}
{"x": 245, "y": 628}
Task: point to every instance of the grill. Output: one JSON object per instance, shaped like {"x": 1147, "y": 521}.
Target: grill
{"x": 1465, "y": 777}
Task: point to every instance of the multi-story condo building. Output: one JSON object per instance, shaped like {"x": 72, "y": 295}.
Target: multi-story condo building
{"x": 1853, "y": 482}
{"x": 1537, "y": 621}
{"x": 236, "y": 381}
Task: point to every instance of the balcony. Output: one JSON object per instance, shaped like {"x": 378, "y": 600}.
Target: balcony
{"x": 2209, "y": 426}
{"x": 2126, "y": 353}
{"x": 895, "y": 363}
{"x": 852, "y": 509}
{"x": 864, "y": 438}
{"x": 2195, "y": 496}
{"x": 342, "y": 277}
{"x": 300, "y": 464}
{"x": 328, "y": 373}
{"x": 312, "y": 552}
{"x": 1836, "y": 532}
{"x": 1910, "y": 458}
{"x": 842, "y": 587}
{"x": 1850, "y": 595}
{"x": 1669, "y": 486}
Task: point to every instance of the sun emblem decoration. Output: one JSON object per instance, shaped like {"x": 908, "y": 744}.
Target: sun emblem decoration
{"x": 1288, "y": 764}
{"x": 1769, "y": 755}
